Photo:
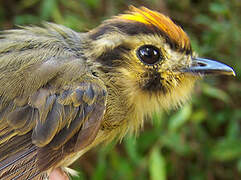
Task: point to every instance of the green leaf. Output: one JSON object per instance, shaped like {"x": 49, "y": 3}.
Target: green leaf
{"x": 131, "y": 148}
{"x": 100, "y": 170}
{"x": 28, "y": 3}
{"x": 157, "y": 165}
{"x": 26, "y": 19}
{"x": 158, "y": 119}
{"x": 234, "y": 129}
{"x": 121, "y": 165}
{"x": 215, "y": 93}
{"x": 203, "y": 19}
{"x": 175, "y": 142}
{"x": 93, "y": 3}
{"x": 218, "y": 8}
{"x": 239, "y": 165}
{"x": 199, "y": 116}
{"x": 147, "y": 139}
{"x": 227, "y": 149}
{"x": 74, "y": 22}
{"x": 48, "y": 7}
{"x": 178, "y": 119}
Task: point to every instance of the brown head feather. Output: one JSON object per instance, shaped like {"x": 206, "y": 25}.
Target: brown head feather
{"x": 154, "y": 19}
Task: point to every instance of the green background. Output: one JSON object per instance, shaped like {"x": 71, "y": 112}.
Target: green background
{"x": 202, "y": 140}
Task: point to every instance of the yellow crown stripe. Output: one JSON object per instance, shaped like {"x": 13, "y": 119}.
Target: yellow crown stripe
{"x": 134, "y": 17}
{"x": 162, "y": 22}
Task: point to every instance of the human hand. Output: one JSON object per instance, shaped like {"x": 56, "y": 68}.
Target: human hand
{"x": 58, "y": 174}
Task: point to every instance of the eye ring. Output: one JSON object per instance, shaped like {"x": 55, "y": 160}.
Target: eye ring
{"x": 149, "y": 54}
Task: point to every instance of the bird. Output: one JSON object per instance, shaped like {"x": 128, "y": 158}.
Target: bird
{"x": 64, "y": 92}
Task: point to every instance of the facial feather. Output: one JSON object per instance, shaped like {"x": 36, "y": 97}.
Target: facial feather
{"x": 144, "y": 89}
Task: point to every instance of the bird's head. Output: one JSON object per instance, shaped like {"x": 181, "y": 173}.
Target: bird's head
{"x": 150, "y": 57}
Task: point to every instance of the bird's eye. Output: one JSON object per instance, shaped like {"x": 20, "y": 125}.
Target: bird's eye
{"x": 149, "y": 54}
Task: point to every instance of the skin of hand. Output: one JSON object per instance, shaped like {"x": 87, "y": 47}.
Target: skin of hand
{"x": 58, "y": 174}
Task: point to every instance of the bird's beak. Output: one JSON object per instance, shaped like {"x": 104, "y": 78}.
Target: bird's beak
{"x": 207, "y": 66}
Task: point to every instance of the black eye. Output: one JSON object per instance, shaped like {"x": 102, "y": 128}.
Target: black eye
{"x": 149, "y": 54}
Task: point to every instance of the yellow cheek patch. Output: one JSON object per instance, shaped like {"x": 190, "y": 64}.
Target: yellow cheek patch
{"x": 160, "y": 21}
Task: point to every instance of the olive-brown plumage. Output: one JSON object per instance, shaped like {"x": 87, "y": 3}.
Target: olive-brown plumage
{"x": 63, "y": 92}
{"x": 46, "y": 89}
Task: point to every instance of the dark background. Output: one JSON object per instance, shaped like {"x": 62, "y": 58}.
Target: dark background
{"x": 198, "y": 142}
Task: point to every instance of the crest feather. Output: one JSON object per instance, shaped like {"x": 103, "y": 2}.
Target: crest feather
{"x": 160, "y": 21}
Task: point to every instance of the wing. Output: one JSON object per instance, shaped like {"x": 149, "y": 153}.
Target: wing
{"x": 51, "y": 104}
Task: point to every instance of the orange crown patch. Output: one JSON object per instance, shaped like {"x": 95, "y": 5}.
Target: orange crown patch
{"x": 160, "y": 21}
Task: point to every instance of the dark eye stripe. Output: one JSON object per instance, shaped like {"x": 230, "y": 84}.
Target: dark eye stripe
{"x": 109, "y": 58}
{"x": 149, "y": 54}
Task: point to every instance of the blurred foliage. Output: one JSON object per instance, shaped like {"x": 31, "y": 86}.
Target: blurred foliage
{"x": 200, "y": 141}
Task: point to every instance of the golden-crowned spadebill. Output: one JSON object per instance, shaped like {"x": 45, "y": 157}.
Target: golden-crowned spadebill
{"x": 63, "y": 92}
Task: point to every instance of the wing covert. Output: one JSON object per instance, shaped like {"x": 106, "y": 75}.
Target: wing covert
{"x": 63, "y": 115}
